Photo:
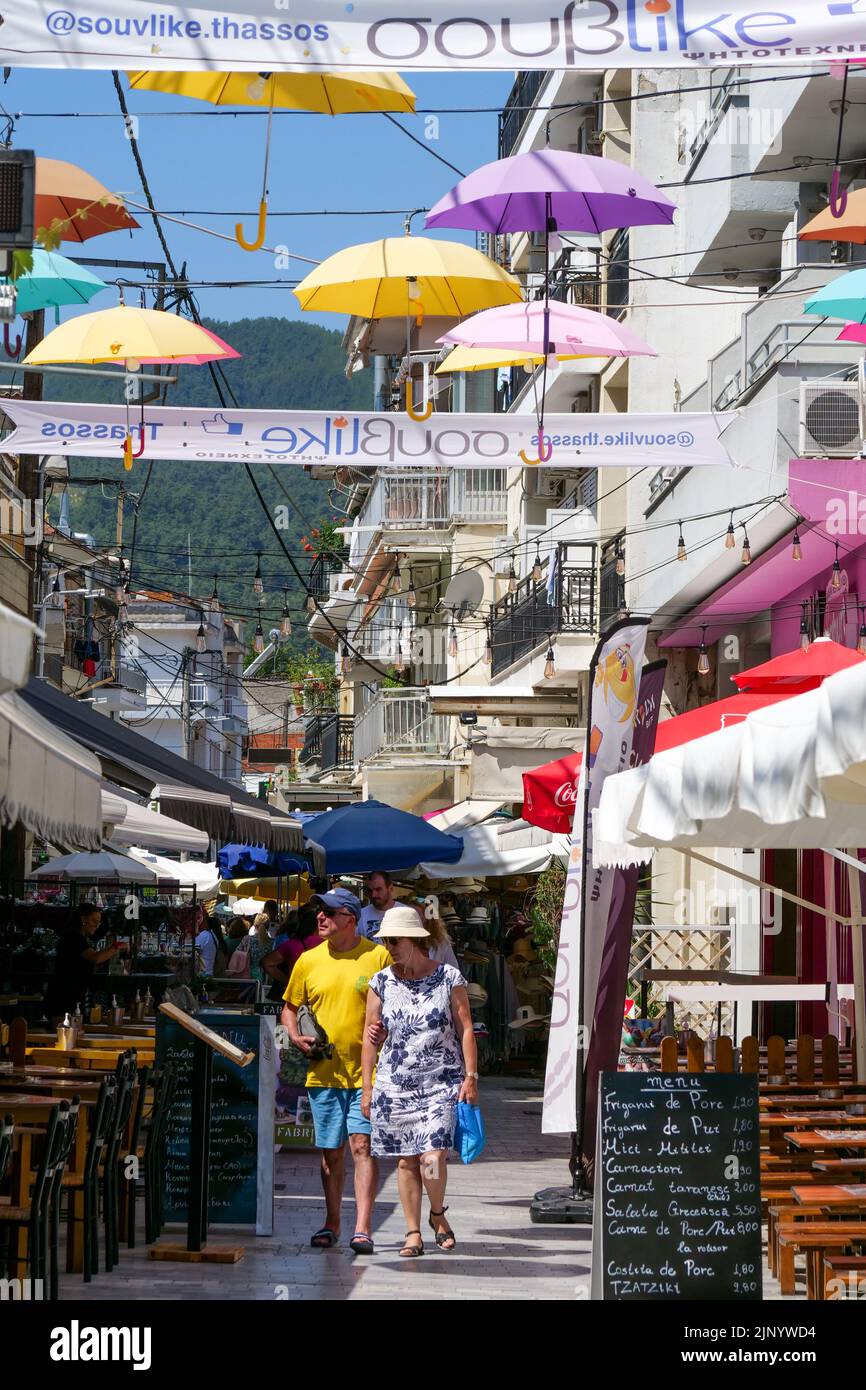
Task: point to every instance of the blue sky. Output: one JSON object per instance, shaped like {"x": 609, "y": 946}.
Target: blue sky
{"x": 214, "y": 162}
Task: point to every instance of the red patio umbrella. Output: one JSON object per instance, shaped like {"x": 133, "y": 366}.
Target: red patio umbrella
{"x": 549, "y": 792}
{"x": 799, "y": 670}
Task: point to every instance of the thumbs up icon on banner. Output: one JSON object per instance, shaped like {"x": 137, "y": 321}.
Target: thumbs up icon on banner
{"x": 218, "y": 424}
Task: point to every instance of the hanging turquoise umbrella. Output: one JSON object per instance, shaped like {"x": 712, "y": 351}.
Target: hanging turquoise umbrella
{"x": 844, "y": 298}
{"x": 53, "y": 281}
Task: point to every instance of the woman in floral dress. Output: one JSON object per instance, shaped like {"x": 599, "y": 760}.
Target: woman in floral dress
{"x": 427, "y": 1064}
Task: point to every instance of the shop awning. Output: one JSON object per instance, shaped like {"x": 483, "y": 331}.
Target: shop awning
{"x": 132, "y": 824}
{"x": 550, "y": 791}
{"x": 500, "y": 848}
{"x": 456, "y": 819}
{"x": 48, "y": 783}
{"x": 16, "y": 647}
{"x": 204, "y": 878}
{"x": 187, "y": 793}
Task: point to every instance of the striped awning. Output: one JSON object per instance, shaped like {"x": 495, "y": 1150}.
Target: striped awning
{"x": 48, "y": 783}
{"x": 228, "y": 820}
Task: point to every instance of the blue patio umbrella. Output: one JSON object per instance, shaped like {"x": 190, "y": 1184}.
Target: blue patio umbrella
{"x": 54, "y": 280}
{"x": 254, "y": 861}
{"x": 368, "y": 835}
{"x": 843, "y": 298}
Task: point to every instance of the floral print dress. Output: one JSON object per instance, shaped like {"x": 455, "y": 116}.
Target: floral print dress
{"x": 420, "y": 1068}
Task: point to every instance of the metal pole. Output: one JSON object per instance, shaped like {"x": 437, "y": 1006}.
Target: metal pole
{"x": 80, "y": 371}
{"x": 857, "y": 960}
{"x": 185, "y": 707}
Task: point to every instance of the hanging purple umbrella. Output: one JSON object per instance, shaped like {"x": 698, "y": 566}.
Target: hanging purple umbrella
{"x": 573, "y": 192}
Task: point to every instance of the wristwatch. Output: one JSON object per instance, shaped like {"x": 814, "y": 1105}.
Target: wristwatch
{"x": 472, "y": 1076}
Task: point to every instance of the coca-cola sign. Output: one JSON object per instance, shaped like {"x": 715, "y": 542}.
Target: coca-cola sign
{"x": 565, "y": 795}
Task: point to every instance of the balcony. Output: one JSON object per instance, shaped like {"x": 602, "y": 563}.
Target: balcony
{"x": 399, "y": 723}
{"x": 432, "y": 500}
{"x": 328, "y": 742}
{"x": 523, "y": 620}
{"x": 517, "y": 108}
{"x": 320, "y": 578}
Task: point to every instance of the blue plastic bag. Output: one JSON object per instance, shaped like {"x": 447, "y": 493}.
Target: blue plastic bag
{"x": 469, "y": 1138}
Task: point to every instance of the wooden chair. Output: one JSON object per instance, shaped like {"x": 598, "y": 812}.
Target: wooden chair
{"x": 776, "y": 1058}
{"x": 724, "y": 1055}
{"x": 36, "y": 1214}
{"x": 813, "y": 1236}
{"x": 750, "y": 1055}
{"x": 830, "y": 1060}
{"x": 806, "y": 1058}
{"x": 695, "y": 1054}
{"x": 87, "y": 1181}
{"x": 669, "y": 1057}
{"x": 125, "y": 1074}
{"x": 842, "y": 1267}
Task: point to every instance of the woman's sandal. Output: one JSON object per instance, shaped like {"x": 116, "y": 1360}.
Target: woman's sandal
{"x": 411, "y": 1252}
{"x": 443, "y": 1236}
{"x": 324, "y": 1239}
{"x": 362, "y": 1244}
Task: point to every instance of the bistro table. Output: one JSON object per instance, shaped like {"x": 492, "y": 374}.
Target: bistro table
{"x": 816, "y": 1139}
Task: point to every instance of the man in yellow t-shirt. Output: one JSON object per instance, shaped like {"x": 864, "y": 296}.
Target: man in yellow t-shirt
{"x": 332, "y": 979}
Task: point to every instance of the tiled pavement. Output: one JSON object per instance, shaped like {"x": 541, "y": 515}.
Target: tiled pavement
{"x": 501, "y": 1254}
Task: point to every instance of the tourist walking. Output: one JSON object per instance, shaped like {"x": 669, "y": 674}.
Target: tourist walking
{"x": 332, "y": 980}
{"x": 381, "y": 895}
{"x": 427, "y": 1064}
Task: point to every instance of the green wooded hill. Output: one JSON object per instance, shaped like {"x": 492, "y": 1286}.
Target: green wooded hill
{"x": 212, "y": 506}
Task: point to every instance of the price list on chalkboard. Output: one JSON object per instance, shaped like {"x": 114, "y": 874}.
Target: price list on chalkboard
{"x": 677, "y": 1210}
{"x": 242, "y": 1122}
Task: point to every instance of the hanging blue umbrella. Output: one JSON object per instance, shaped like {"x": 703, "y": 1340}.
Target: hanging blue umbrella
{"x": 253, "y": 861}
{"x": 368, "y": 835}
{"x": 54, "y": 280}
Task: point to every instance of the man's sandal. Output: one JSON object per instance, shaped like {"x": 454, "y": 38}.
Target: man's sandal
{"x": 442, "y": 1236}
{"x": 411, "y": 1252}
{"x": 324, "y": 1238}
{"x": 362, "y": 1244}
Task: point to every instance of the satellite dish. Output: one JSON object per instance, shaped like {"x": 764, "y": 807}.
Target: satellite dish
{"x": 465, "y": 592}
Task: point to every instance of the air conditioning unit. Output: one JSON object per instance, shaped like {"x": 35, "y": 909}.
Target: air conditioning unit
{"x": 17, "y": 193}
{"x": 833, "y": 418}
{"x": 551, "y": 484}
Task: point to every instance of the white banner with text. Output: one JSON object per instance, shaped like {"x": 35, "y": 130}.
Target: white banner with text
{"x": 242, "y": 35}
{"x": 367, "y": 440}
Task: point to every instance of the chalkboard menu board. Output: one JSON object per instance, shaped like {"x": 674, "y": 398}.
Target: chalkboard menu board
{"x": 677, "y": 1210}
{"x": 242, "y": 1121}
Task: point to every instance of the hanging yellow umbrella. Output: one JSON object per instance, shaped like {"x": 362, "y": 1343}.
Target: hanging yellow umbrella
{"x": 127, "y": 335}
{"x": 472, "y": 359}
{"x": 328, "y": 93}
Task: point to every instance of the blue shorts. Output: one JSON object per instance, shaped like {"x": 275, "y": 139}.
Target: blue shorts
{"x": 336, "y": 1115}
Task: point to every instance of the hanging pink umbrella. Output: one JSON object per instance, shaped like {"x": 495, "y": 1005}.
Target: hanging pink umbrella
{"x": 552, "y": 190}
{"x": 549, "y": 329}
{"x": 854, "y": 333}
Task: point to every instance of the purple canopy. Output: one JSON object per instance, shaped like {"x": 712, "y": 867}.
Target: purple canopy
{"x": 580, "y": 192}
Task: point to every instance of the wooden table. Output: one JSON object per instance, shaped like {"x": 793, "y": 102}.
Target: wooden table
{"x": 811, "y": 1139}
{"x": 829, "y": 1119}
{"x": 834, "y": 1195}
{"x": 805, "y": 1103}
{"x": 86, "y": 1057}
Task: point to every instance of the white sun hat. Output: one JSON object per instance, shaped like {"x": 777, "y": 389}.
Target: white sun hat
{"x": 400, "y": 921}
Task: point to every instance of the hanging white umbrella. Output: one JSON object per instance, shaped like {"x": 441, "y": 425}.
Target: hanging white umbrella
{"x": 204, "y": 878}
{"x": 103, "y": 867}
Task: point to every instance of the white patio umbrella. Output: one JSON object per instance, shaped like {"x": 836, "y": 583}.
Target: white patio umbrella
{"x": 790, "y": 776}
{"x": 103, "y": 867}
{"x": 204, "y": 878}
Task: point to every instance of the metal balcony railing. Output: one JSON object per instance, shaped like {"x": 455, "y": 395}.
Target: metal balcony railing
{"x": 400, "y": 722}
{"x": 328, "y": 740}
{"x": 321, "y": 571}
{"x": 432, "y": 499}
{"x": 513, "y": 115}
{"x": 523, "y": 620}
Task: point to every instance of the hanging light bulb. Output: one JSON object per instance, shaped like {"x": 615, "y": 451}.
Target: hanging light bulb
{"x": 703, "y": 656}
{"x": 805, "y": 642}
{"x": 397, "y": 579}
{"x": 412, "y": 597}
{"x": 746, "y": 552}
{"x": 861, "y": 640}
{"x": 259, "y": 637}
{"x": 836, "y": 579}
{"x": 201, "y": 638}
{"x": 536, "y": 567}
{"x": 345, "y": 661}
{"x": 311, "y": 605}
{"x": 258, "y": 584}
{"x": 512, "y": 579}
{"x": 123, "y": 614}
{"x": 620, "y": 560}
{"x": 488, "y": 648}
{"x": 681, "y": 544}
{"x": 549, "y": 660}
{"x": 796, "y": 548}
{"x": 730, "y": 535}
{"x": 215, "y": 598}
{"x": 286, "y": 619}
{"x": 399, "y": 663}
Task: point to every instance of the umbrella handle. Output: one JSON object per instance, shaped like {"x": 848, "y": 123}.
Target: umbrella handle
{"x": 410, "y": 409}
{"x": 545, "y": 454}
{"x": 128, "y": 452}
{"x": 260, "y": 233}
{"x": 838, "y": 195}
{"x": 7, "y": 348}
{"x": 419, "y": 314}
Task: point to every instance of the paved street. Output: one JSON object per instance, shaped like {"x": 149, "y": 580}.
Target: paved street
{"x": 500, "y": 1253}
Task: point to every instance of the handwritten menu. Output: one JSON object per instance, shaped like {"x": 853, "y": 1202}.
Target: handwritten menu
{"x": 242, "y": 1121}
{"x": 677, "y": 1212}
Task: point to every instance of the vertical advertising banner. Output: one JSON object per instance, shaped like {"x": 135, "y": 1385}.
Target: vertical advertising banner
{"x": 614, "y": 680}
{"x": 606, "y": 1010}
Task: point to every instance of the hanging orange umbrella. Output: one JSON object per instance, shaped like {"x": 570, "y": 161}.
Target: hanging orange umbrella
{"x": 71, "y": 205}
{"x": 851, "y": 226}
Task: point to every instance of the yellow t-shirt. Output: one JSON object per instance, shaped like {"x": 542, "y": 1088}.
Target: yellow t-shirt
{"x": 334, "y": 985}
